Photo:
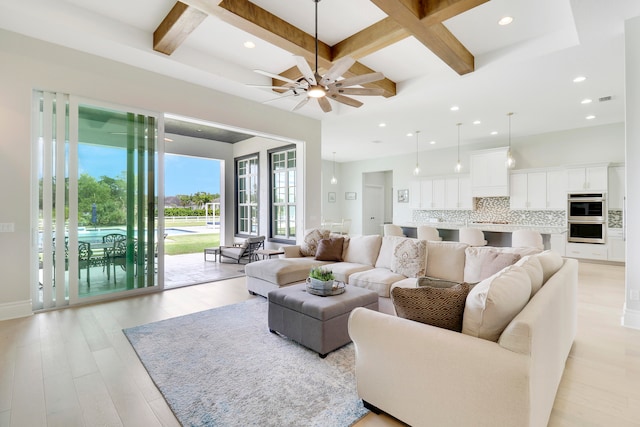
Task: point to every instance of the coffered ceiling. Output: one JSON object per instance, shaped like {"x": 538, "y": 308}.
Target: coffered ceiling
{"x": 434, "y": 54}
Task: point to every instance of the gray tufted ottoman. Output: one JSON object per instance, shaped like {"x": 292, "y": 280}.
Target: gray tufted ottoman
{"x": 318, "y": 323}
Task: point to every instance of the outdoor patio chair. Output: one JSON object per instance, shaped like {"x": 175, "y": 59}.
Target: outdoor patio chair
{"x": 246, "y": 251}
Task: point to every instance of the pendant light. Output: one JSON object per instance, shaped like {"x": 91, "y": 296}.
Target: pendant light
{"x": 334, "y": 180}
{"x": 458, "y": 167}
{"x": 416, "y": 171}
{"x": 511, "y": 162}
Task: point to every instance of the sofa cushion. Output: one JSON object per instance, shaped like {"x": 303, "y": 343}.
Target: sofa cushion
{"x": 532, "y": 266}
{"x": 386, "y": 251}
{"x": 376, "y": 279}
{"x": 481, "y": 263}
{"x": 310, "y": 242}
{"x": 441, "y": 307}
{"x": 282, "y": 271}
{"x": 342, "y": 270}
{"x": 363, "y": 249}
{"x": 551, "y": 262}
{"x": 409, "y": 257}
{"x": 445, "y": 260}
{"x": 330, "y": 249}
{"x": 494, "y": 302}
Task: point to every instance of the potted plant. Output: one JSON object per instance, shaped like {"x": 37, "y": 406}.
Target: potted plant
{"x": 321, "y": 278}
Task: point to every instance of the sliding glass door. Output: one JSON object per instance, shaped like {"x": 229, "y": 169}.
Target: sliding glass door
{"x": 97, "y": 200}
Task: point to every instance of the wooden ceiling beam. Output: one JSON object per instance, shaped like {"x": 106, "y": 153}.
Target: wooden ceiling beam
{"x": 423, "y": 20}
{"x": 370, "y": 40}
{"x": 256, "y": 21}
{"x": 174, "y": 29}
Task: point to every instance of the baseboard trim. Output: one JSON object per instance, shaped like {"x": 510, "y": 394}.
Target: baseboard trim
{"x": 14, "y": 310}
{"x": 631, "y": 318}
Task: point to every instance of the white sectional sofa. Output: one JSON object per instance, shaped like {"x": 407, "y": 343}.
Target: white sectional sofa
{"x": 486, "y": 375}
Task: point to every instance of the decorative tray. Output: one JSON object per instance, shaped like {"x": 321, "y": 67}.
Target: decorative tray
{"x": 336, "y": 290}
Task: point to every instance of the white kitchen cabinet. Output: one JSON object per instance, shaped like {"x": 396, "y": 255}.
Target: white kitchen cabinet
{"x": 426, "y": 193}
{"x": 489, "y": 174}
{"x": 528, "y": 190}
{"x": 557, "y": 190}
{"x": 615, "y": 195}
{"x": 615, "y": 244}
{"x": 558, "y": 243}
{"x": 415, "y": 190}
{"x": 457, "y": 192}
{"x": 438, "y": 193}
{"x": 586, "y": 251}
{"x": 591, "y": 178}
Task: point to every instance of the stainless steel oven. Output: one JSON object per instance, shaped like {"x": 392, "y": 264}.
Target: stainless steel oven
{"x": 586, "y": 207}
{"x": 587, "y": 232}
{"x": 587, "y": 218}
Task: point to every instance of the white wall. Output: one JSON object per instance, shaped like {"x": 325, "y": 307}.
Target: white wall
{"x": 580, "y": 146}
{"x": 632, "y": 64}
{"x": 332, "y": 211}
{"x": 29, "y": 64}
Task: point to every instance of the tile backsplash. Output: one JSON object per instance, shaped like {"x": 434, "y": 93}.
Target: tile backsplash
{"x": 496, "y": 209}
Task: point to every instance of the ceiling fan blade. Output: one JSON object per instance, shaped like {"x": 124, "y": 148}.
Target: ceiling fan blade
{"x": 345, "y": 100}
{"x": 276, "y": 76}
{"x": 324, "y": 104}
{"x": 359, "y": 80}
{"x": 363, "y": 91}
{"x": 281, "y": 97}
{"x": 338, "y": 69}
{"x": 285, "y": 88}
{"x": 305, "y": 69}
{"x": 301, "y": 104}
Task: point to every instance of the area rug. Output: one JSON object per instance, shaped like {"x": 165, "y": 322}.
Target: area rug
{"x": 222, "y": 367}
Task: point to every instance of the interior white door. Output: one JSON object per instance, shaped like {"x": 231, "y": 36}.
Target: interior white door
{"x": 373, "y": 209}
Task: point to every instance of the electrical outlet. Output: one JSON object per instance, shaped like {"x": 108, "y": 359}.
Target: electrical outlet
{"x": 634, "y": 295}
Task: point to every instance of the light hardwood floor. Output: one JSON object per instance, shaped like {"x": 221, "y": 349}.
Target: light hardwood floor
{"x": 74, "y": 367}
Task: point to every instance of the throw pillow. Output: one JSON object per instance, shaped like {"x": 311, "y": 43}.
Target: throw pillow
{"x": 435, "y": 282}
{"x": 330, "y": 249}
{"x": 309, "y": 245}
{"x": 497, "y": 261}
{"x": 532, "y": 266}
{"x": 409, "y": 258}
{"x": 493, "y": 303}
{"x": 551, "y": 262}
{"x": 441, "y": 307}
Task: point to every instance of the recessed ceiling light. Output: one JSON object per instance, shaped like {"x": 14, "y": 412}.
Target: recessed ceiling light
{"x": 476, "y": 122}
{"x": 376, "y": 141}
{"x": 454, "y": 108}
{"x": 249, "y": 44}
{"x": 168, "y": 140}
{"x": 585, "y": 101}
{"x": 198, "y": 130}
{"x": 382, "y": 125}
{"x": 409, "y": 134}
{"x": 505, "y": 20}
{"x": 495, "y": 132}
{"x": 590, "y": 117}
{"x": 432, "y": 142}
{"x": 579, "y": 79}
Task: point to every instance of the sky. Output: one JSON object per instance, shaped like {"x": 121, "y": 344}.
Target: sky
{"x": 183, "y": 174}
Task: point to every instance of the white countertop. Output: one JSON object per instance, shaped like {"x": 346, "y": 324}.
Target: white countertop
{"x": 498, "y": 228}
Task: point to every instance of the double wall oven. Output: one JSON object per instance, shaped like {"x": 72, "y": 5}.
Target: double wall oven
{"x": 587, "y": 217}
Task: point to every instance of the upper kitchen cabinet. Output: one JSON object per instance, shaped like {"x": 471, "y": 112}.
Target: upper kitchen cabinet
{"x": 489, "y": 174}
{"x": 538, "y": 190}
{"x": 615, "y": 196}
{"x": 590, "y": 178}
{"x": 458, "y": 192}
{"x": 528, "y": 190}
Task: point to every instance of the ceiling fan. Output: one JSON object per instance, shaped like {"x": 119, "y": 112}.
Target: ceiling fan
{"x": 314, "y": 86}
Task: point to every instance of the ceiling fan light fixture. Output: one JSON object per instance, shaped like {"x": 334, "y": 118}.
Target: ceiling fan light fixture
{"x": 316, "y": 91}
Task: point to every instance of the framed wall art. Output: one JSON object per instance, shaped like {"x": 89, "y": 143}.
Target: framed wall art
{"x": 403, "y": 196}
{"x": 350, "y": 195}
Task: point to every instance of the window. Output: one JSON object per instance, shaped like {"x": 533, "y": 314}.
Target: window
{"x": 247, "y": 195}
{"x": 283, "y": 193}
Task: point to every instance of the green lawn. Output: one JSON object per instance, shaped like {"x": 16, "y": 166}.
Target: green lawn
{"x": 190, "y": 243}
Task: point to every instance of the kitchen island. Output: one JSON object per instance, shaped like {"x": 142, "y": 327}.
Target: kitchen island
{"x": 494, "y": 234}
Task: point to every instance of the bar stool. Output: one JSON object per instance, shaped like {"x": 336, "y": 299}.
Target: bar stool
{"x": 472, "y": 237}
{"x": 428, "y": 233}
